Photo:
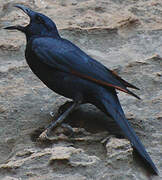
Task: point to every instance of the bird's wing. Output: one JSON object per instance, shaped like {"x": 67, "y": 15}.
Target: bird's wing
{"x": 65, "y": 56}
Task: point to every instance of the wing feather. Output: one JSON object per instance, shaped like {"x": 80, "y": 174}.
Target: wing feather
{"x": 65, "y": 56}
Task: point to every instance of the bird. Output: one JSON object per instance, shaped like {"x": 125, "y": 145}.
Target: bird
{"x": 67, "y": 70}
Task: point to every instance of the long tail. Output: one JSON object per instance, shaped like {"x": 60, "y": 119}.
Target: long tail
{"x": 111, "y": 105}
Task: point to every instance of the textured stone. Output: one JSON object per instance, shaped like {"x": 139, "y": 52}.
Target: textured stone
{"x": 10, "y": 178}
{"x": 118, "y": 149}
{"x": 63, "y": 153}
{"x": 83, "y": 160}
{"x": 59, "y": 177}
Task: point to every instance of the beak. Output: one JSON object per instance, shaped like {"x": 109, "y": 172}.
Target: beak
{"x": 27, "y": 11}
{"x": 19, "y": 28}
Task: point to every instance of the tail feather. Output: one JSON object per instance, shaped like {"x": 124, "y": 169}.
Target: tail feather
{"x": 112, "y": 107}
{"x": 127, "y": 84}
{"x": 133, "y": 94}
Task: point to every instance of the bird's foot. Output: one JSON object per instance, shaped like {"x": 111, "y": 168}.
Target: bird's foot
{"x": 65, "y": 131}
{"x": 62, "y": 113}
{"x": 43, "y": 136}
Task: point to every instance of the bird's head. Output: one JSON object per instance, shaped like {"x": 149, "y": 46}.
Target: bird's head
{"x": 40, "y": 25}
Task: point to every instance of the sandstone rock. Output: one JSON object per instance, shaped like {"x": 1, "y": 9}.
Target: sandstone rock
{"x": 63, "y": 153}
{"x": 83, "y": 159}
{"x": 118, "y": 149}
{"x": 10, "y": 178}
{"x": 59, "y": 177}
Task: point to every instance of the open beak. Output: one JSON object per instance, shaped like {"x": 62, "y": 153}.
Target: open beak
{"x": 20, "y": 28}
{"x": 27, "y": 11}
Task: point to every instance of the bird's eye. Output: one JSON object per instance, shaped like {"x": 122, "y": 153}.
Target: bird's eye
{"x": 39, "y": 20}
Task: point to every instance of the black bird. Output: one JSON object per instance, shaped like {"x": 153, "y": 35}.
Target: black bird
{"x": 70, "y": 72}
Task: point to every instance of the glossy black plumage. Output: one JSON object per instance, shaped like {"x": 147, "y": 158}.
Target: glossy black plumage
{"x": 70, "y": 72}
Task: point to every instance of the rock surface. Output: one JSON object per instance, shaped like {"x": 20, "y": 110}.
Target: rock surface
{"x": 124, "y": 35}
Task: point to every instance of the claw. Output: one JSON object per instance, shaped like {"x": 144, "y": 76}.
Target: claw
{"x": 43, "y": 136}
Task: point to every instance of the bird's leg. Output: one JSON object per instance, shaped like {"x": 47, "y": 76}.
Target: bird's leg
{"x": 68, "y": 129}
{"x": 59, "y": 120}
{"x": 62, "y": 109}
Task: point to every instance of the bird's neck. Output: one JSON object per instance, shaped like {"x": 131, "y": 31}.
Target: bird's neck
{"x": 28, "y": 38}
{"x": 52, "y": 34}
